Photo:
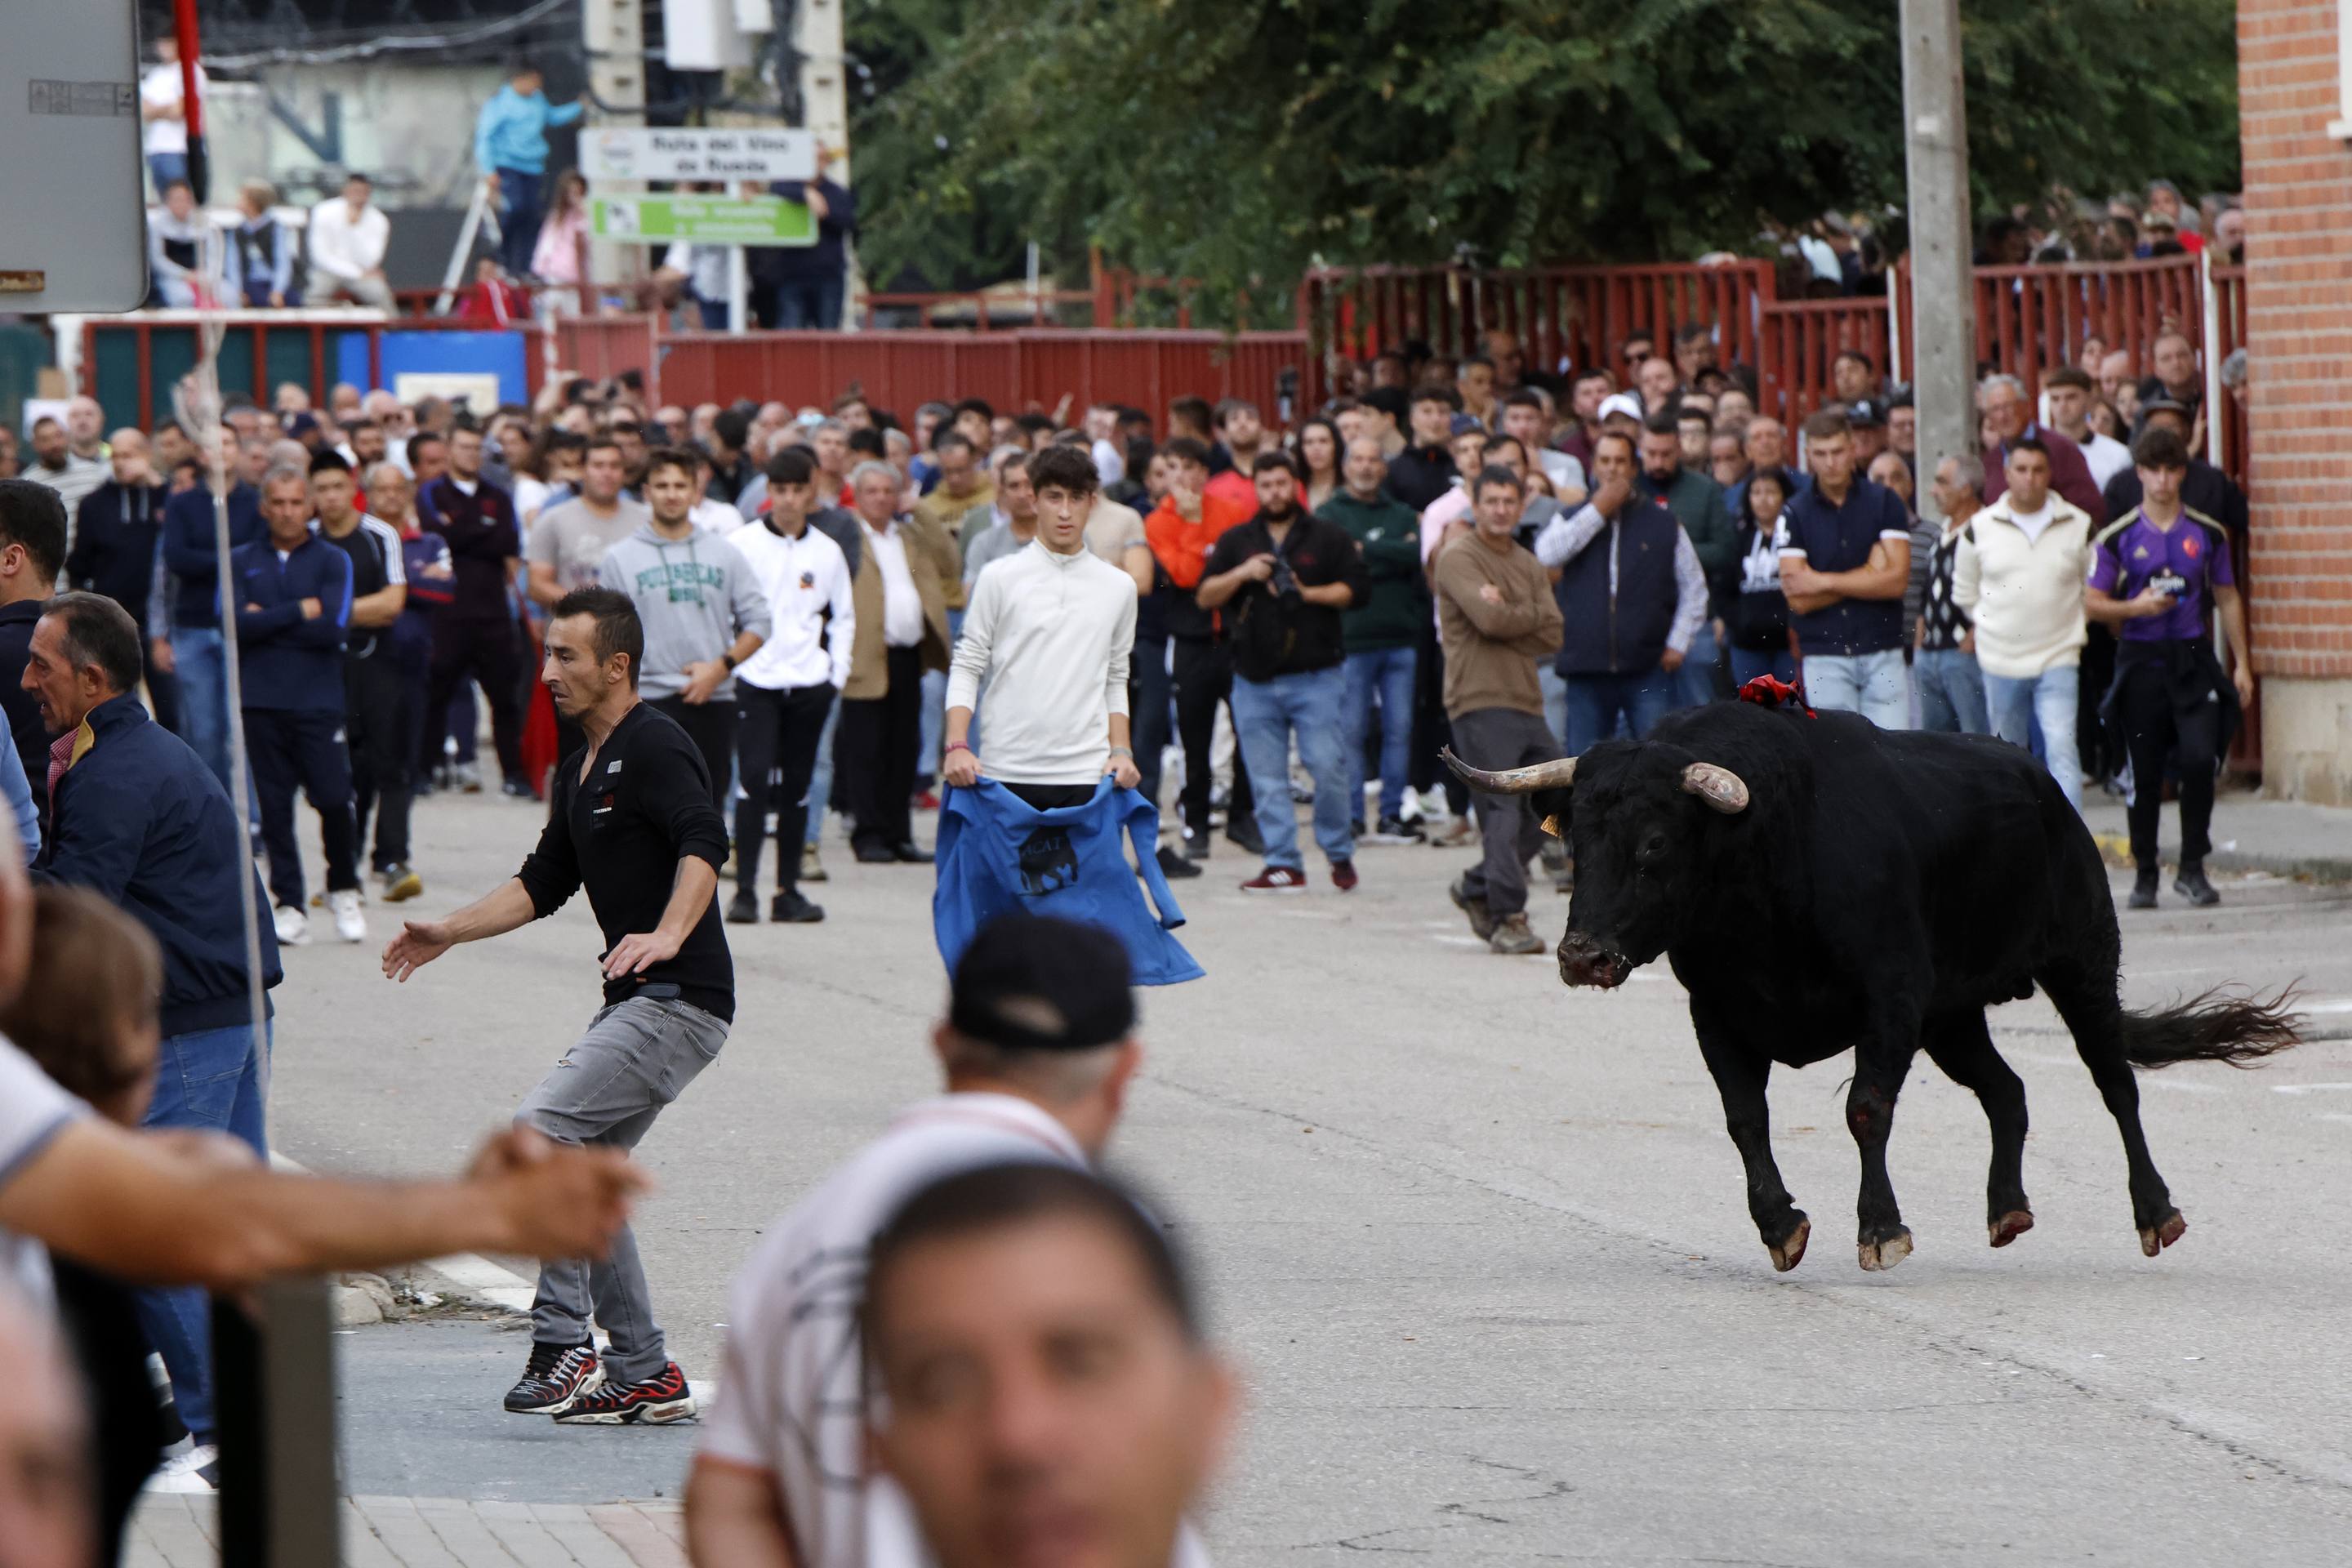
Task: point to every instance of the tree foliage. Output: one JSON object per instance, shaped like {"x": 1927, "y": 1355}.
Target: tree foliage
{"x": 1240, "y": 141}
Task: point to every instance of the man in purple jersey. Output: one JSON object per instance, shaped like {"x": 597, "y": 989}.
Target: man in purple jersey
{"x": 2157, "y": 575}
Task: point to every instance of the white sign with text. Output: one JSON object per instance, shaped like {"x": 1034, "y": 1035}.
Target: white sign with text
{"x": 664, "y": 152}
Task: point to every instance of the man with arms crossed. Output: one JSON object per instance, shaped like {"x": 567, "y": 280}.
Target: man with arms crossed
{"x": 631, "y": 819}
{"x": 1039, "y": 1050}
{"x": 1845, "y": 562}
{"x": 1050, "y": 628}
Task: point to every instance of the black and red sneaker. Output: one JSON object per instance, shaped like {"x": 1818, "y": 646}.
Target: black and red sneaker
{"x": 555, "y": 1379}
{"x": 658, "y": 1400}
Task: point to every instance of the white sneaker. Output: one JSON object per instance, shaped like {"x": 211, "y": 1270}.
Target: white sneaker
{"x": 293, "y": 926}
{"x": 349, "y": 924}
{"x": 193, "y": 1471}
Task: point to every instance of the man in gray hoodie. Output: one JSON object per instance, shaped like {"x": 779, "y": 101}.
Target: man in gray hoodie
{"x": 702, "y": 610}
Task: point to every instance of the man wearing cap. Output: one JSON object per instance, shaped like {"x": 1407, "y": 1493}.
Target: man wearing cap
{"x": 1039, "y": 1049}
{"x": 1865, "y": 420}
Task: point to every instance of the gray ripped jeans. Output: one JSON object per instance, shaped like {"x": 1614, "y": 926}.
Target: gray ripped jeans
{"x": 637, "y": 1056}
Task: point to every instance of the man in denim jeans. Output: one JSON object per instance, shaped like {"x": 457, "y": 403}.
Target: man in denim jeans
{"x": 1845, "y": 560}
{"x": 191, "y": 554}
{"x": 2019, "y": 574}
{"x": 1950, "y": 682}
{"x": 631, "y": 819}
{"x": 1380, "y": 633}
{"x": 1279, "y": 582}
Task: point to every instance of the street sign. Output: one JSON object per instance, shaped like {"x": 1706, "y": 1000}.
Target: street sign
{"x": 729, "y": 153}
{"x": 704, "y": 220}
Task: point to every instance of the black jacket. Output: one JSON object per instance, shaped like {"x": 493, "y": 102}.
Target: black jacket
{"x": 190, "y": 551}
{"x": 116, "y": 534}
{"x": 1419, "y": 475}
{"x": 142, "y": 820}
{"x": 1275, "y": 634}
{"x": 23, "y": 710}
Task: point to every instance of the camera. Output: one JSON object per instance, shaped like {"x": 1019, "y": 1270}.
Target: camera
{"x": 1284, "y": 584}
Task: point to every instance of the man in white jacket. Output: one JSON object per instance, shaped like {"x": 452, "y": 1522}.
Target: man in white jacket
{"x": 2019, "y": 574}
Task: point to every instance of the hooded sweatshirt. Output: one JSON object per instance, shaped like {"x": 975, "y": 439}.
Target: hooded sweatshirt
{"x": 695, "y": 597}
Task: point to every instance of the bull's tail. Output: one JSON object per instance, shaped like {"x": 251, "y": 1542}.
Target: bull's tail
{"x": 2222, "y": 1025}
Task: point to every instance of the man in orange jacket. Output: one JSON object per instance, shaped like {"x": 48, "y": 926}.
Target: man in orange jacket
{"x": 1181, "y": 529}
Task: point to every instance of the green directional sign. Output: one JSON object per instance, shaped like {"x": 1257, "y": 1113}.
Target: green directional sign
{"x": 703, "y": 220}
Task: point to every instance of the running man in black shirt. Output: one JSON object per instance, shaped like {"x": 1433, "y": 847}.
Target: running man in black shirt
{"x": 631, "y": 816}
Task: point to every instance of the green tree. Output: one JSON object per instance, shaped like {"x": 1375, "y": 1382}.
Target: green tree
{"x": 1242, "y": 142}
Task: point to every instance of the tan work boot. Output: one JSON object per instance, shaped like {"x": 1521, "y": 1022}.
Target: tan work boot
{"x": 1513, "y": 937}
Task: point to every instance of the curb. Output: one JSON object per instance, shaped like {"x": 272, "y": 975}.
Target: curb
{"x": 2322, "y": 869}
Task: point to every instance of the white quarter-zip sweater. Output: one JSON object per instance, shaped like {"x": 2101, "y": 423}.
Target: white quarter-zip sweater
{"x": 1051, "y": 634}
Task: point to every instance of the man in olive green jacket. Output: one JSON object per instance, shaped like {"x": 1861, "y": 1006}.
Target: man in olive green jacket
{"x": 1379, "y": 633}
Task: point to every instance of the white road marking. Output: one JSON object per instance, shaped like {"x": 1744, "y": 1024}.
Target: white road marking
{"x": 2311, "y": 1088}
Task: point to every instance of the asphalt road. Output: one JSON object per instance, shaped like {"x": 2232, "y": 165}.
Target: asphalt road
{"x": 1478, "y": 1241}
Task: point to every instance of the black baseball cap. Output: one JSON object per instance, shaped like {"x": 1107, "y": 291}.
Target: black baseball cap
{"x": 1038, "y": 983}
{"x": 1866, "y": 412}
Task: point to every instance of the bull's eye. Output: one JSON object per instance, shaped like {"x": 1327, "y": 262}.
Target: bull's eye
{"x": 1652, "y": 850}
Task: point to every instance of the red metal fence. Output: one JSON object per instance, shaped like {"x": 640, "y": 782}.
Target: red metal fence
{"x": 1010, "y": 368}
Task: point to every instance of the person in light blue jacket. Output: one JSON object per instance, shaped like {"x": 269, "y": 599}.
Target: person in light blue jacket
{"x": 510, "y": 149}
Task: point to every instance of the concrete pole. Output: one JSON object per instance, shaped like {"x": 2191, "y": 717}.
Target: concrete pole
{"x": 824, "y": 107}
{"x": 614, "y": 32}
{"x": 1943, "y": 291}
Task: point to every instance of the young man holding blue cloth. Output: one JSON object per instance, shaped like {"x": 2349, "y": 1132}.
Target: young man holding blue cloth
{"x": 1050, "y": 628}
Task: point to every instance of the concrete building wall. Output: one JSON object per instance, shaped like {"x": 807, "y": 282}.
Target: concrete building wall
{"x": 2298, "y": 195}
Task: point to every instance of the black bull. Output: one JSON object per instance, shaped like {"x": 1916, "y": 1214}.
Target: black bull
{"x": 1819, "y": 884}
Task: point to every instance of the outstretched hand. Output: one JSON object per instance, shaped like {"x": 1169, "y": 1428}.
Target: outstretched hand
{"x": 418, "y": 944}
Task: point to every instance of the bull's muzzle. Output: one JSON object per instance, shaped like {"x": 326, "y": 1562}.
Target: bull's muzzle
{"x": 1585, "y": 962}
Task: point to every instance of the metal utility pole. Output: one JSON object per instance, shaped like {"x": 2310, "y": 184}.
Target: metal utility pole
{"x": 1943, "y": 291}
{"x": 825, "y": 102}
{"x": 614, "y": 33}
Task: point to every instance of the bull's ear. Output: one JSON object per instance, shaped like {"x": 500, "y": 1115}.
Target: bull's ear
{"x": 1719, "y": 788}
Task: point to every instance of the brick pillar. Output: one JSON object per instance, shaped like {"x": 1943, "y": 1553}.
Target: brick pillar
{"x": 2299, "y": 197}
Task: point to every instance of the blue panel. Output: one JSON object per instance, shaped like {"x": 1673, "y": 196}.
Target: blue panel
{"x": 455, "y": 353}
{"x": 350, "y": 358}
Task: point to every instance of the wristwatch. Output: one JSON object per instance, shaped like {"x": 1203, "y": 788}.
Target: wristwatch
{"x": 727, "y": 658}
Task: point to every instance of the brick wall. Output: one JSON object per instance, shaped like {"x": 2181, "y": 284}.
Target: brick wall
{"x": 2299, "y": 197}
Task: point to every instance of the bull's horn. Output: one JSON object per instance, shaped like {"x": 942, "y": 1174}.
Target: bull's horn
{"x": 1558, "y": 774}
{"x": 1719, "y": 788}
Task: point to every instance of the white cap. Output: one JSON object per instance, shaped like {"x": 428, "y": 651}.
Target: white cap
{"x": 1624, "y": 402}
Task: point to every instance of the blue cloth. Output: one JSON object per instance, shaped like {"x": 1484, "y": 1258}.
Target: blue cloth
{"x": 511, "y": 131}
{"x": 191, "y": 554}
{"x": 288, "y": 660}
{"x": 17, "y": 791}
{"x": 211, "y": 1080}
{"x": 142, "y": 821}
{"x": 1266, "y": 715}
{"x": 997, "y": 853}
{"x": 1382, "y": 677}
{"x": 1599, "y": 704}
{"x": 1840, "y": 538}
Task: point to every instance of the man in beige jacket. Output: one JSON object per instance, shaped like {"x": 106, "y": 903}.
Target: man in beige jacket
{"x": 2019, "y": 574}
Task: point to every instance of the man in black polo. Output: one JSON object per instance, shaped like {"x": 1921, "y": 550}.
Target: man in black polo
{"x": 1280, "y": 580}
{"x": 380, "y": 710}
{"x": 631, "y": 819}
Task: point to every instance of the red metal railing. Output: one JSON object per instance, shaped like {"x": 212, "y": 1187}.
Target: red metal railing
{"x": 1798, "y": 343}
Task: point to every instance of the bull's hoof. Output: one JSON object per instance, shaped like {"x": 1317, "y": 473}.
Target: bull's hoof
{"x": 2165, "y": 1231}
{"x": 2011, "y": 1226}
{"x": 1791, "y": 1252}
{"x": 1878, "y": 1254}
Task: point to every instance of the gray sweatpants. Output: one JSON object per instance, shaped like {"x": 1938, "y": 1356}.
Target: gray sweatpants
{"x": 637, "y": 1057}
{"x": 1495, "y": 739}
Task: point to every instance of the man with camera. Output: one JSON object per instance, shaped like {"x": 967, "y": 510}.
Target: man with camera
{"x": 1280, "y": 580}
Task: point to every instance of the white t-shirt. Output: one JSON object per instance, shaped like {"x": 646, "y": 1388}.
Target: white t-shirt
{"x": 2107, "y": 456}
{"x": 2032, "y": 523}
{"x": 161, "y": 85}
{"x": 791, "y": 1401}
{"x": 33, "y": 1110}
{"x": 902, "y": 602}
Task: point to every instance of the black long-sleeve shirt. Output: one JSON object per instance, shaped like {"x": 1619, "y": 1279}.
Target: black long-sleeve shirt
{"x": 484, "y": 539}
{"x": 645, "y": 807}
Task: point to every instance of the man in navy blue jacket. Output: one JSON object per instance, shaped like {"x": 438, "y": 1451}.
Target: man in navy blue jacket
{"x": 294, "y": 601}
{"x": 140, "y": 819}
{"x": 198, "y": 656}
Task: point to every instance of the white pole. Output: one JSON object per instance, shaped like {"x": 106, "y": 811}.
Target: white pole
{"x": 739, "y": 290}
{"x": 2212, "y": 356}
